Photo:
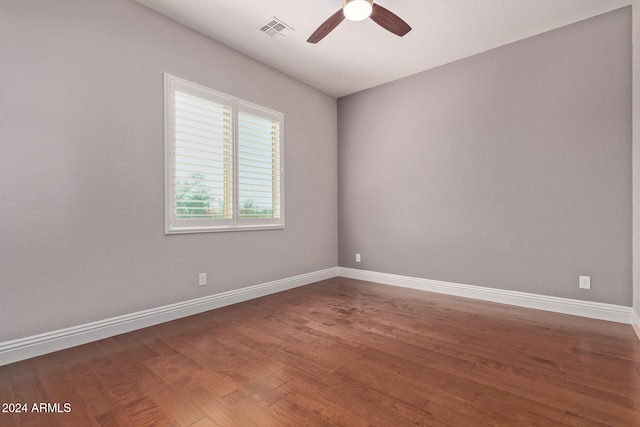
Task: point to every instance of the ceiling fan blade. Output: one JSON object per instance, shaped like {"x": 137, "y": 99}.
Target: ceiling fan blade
{"x": 326, "y": 27}
{"x": 389, "y": 21}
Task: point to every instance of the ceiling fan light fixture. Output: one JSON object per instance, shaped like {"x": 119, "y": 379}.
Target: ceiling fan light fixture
{"x": 357, "y": 10}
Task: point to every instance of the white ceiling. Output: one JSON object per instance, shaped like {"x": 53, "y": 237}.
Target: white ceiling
{"x": 360, "y": 55}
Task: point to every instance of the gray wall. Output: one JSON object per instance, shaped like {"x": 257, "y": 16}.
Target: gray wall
{"x": 81, "y": 169}
{"x": 636, "y": 156}
{"x": 510, "y": 169}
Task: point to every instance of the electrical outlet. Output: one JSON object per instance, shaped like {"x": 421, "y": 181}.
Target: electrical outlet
{"x": 202, "y": 279}
{"x": 357, "y": 257}
{"x": 585, "y": 282}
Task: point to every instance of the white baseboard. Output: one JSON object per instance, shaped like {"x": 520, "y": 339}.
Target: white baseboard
{"x": 594, "y": 310}
{"x": 635, "y": 321}
{"x": 36, "y": 345}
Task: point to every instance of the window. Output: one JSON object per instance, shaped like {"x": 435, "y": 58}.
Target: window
{"x": 223, "y": 161}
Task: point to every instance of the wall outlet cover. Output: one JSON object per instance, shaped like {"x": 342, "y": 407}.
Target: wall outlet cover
{"x": 585, "y": 282}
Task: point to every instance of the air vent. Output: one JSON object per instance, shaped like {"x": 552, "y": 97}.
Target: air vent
{"x": 275, "y": 27}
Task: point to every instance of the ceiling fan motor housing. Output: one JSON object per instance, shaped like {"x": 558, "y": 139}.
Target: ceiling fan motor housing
{"x": 357, "y": 10}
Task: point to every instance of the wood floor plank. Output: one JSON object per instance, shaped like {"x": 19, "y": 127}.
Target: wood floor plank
{"x": 115, "y": 417}
{"x": 334, "y": 409}
{"x": 58, "y": 382}
{"x": 123, "y": 377}
{"x": 552, "y": 396}
{"x": 299, "y": 415}
{"x": 171, "y": 403}
{"x": 27, "y": 389}
{"x": 205, "y": 422}
{"x": 256, "y": 411}
{"x": 10, "y": 417}
{"x": 348, "y": 353}
{"x": 221, "y": 412}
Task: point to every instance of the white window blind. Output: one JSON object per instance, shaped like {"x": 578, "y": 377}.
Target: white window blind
{"x": 202, "y": 158}
{"x": 223, "y": 161}
{"x": 258, "y": 166}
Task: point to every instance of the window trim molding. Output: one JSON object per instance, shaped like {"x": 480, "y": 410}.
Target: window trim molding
{"x": 235, "y": 223}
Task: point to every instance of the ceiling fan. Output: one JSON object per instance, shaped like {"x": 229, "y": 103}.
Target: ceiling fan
{"x": 358, "y": 10}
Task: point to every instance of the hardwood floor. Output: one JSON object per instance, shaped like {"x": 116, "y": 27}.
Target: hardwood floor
{"x": 342, "y": 352}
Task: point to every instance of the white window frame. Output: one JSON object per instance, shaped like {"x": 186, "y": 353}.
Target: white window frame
{"x": 173, "y": 225}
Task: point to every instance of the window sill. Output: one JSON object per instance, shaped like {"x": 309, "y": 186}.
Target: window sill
{"x": 189, "y": 230}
